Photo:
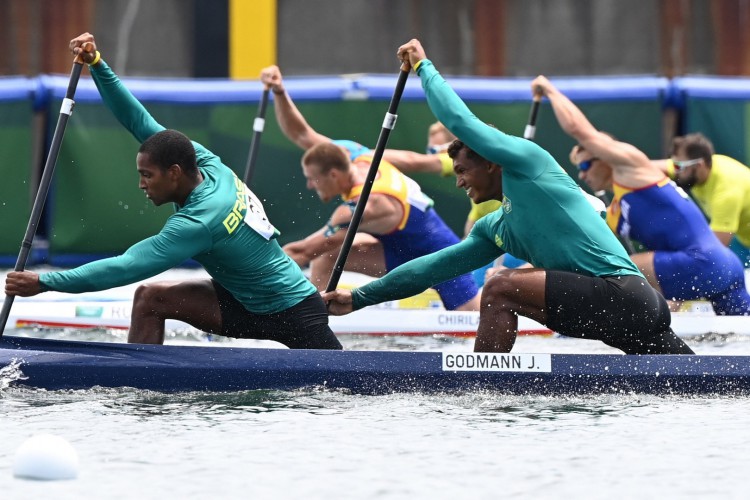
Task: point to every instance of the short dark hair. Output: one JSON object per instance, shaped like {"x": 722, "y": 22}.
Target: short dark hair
{"x": 170, "y": 147}
{"x": 456, "y": 147}
{"x": 327, "y": 156}
{"x": 695, "y": 146}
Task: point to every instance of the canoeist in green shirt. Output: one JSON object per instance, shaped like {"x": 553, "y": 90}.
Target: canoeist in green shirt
{"x": 583, "y": 284}
{"x": 256, "y": 290}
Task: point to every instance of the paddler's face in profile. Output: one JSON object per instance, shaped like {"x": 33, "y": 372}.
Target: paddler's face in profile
{"x": 159, "y": 184}
{"x": 478, "y": 177}
{"x": 324, "y": 184}
{"x": 596, "y": 173}
{"x": 686, "y": 169}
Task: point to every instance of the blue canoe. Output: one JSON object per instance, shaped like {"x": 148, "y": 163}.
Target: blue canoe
{"x": 57, "y": 364}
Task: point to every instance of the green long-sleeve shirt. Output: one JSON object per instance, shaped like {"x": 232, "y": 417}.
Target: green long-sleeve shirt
{"x": 544, "y": 218}
{"x": 222, "y": 225}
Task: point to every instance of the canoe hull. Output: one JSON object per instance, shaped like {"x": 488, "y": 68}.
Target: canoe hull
{"x": 55, "y": 365}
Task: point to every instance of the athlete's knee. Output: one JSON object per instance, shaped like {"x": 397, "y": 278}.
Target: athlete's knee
{"x": 501, "y": 285}
{"x": 150, "y": 297}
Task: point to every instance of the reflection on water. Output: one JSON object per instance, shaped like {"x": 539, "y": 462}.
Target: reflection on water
{"x": 317, "y": 401}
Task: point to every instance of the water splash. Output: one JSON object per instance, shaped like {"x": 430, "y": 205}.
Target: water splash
{"x": 10, "y": 373}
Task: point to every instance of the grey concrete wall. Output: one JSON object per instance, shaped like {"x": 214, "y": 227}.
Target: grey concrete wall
{"x": 553, "y": 37}
{"x": 574, "y": 37}
{"x": 356, "y": 36}
{"x": 146, "y": 37}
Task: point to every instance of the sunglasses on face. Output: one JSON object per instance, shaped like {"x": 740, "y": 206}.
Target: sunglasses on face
{"x": 680, "y": 164}
{"x": 585, "y": 165}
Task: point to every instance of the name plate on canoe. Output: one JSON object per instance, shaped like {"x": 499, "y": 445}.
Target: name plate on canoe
{"x": 495, "y": 362}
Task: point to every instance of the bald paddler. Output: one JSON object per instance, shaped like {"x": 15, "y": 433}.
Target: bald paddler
{"x": 582, "y": 285}
{"x": 256, "y": 290}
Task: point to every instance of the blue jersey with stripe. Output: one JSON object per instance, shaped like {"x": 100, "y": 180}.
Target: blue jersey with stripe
{"x": 689, "y": 260}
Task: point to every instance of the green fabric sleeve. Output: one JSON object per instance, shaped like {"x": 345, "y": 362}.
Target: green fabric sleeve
{"x": 519, "y": 155}
{"x": 420, "y": 274}
{"x": 179, "y": 240}
{"x": 131, "y": 113}
{"x": 126, "y": 108}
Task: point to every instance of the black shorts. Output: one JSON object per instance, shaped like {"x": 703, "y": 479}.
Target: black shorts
{"x": 302, "y": 326}
{"x": 624, "y": 312}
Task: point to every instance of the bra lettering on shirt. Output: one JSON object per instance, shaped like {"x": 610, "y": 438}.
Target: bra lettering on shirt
{"x": 255, "y": 215}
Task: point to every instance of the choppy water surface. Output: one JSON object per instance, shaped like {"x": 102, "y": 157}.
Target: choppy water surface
{"x": 315, "y": 444}
{"x": 318, "y": 444}
{"x": 321, "y": 444}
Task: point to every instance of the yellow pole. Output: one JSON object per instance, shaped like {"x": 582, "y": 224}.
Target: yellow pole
{"x": 252, "y": 37}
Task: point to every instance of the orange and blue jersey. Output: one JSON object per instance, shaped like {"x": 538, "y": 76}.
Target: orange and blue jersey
{"x": 689, "y": 260}
{"x": 420, "y": 231}
{"x": 391, "y": 182}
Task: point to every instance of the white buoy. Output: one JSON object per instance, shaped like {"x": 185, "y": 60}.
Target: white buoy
{"x": 46, "y": 457}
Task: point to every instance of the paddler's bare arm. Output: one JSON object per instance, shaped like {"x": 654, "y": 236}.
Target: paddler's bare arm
{"x": 291, "y": 121}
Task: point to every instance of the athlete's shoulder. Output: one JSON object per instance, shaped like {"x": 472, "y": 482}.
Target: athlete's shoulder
{"x": 487, "y": 224}
{"x": 191, "y": 217}
{"x": 730, "y": 170}
{"x": 723, "y": 160}
{"x": 479, "y": 210}
{"x": 205, "y": 158}
{"x": 354, "y": 149}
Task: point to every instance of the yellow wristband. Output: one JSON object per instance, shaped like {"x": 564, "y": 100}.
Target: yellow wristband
{"x": 96, "y": 59}
{"x": 447, "y": 163}
{"x": 416, "y": 66}
{"x": 671, "y": 173}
